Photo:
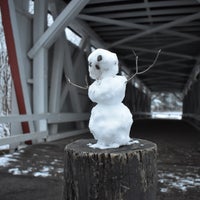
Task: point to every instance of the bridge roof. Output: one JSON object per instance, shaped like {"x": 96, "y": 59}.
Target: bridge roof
{"x": 146, "y": 26}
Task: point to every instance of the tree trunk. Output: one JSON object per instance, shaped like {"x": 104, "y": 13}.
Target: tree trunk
{"x": 125, "y": 173}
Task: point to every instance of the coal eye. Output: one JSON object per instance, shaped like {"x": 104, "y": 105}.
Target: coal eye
{"x": 90, "y": 64}
{"x": 97, "y": 67}
{"x": 99, "y": 58}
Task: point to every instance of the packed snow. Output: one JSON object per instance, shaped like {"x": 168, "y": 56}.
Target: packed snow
{"x": 110, "y": 119}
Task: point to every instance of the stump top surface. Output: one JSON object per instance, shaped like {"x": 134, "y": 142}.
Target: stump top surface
{"x": 82, "y": 146}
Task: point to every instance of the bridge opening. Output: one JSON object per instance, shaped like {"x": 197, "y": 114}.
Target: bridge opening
{"x": 166, "y": 105}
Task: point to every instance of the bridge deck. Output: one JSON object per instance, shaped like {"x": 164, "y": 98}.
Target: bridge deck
{"x": 39, "y": 168}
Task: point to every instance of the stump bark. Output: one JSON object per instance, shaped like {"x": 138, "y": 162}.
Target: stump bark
{"x": 125, "y": 173}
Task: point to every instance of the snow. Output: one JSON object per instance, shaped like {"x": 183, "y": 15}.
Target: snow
{"x": 5, "y": 147}
{"x": 5, "y": 160}
{"x": 167, "y": 115}
{"x": 44, "y": 172}
{"x": 110, "y": 119}
{"x": 178, "y": 181}
{"x": 15, "y": 171}
{"x": 106, "y": 61}
{"x": 13, "y": 165}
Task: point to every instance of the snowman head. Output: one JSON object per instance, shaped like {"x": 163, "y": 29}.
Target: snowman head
{"x": 102, "y": 63}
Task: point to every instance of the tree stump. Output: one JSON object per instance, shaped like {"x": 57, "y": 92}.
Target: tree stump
{"x": 125, "y": 173}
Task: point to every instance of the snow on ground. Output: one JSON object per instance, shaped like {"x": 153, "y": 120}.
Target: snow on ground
{"x": 13, "y": 165}
{"x": 172, "y": 180}
{"x": 6, "y": 159}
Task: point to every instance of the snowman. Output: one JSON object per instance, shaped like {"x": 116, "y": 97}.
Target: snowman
{"x": 110, "y": 121}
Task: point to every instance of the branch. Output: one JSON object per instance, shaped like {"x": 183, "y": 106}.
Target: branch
{"x": 78, "y": 86}
{"x": 136, "y": 60}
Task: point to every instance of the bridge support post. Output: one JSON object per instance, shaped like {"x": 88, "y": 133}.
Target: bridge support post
{"x": 128, "y": 172}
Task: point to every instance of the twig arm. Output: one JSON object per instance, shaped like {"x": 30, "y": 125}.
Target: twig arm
{"x": 78, "y": 86}
{"x": 136, "y": 60}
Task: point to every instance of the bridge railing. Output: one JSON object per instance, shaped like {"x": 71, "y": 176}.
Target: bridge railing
{"x": 43, "y": 135}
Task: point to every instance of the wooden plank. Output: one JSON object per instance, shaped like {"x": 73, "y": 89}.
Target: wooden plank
{"x": 133, "y": 25}
{"x": 56, "y": 80}
{"x": 67, "y": 117}
{"x": 67, "y": 134}
{"x": 173, "y": 54}
{"x": 23, "y": 137}
{"x": 166, "y": 14}
{"x": 158, "y": 28}
{"x": 192, "y": 78}
{"x": 22, "y": 118}
{"x": 52, "y": 118}
{"x": 65, "y": 17}
{"x": 40, "y": 90}
{"x": 134, "y": 6}
{"x": 69, "y": 72}
{"x": 40, "y": 68}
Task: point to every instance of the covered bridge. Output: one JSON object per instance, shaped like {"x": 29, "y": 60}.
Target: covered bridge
{"x": 41, "y": 55}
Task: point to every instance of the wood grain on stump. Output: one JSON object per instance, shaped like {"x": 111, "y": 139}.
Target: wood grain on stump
{"x": 125, "y": 173}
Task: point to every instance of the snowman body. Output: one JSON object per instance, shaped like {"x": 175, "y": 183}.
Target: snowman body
{"x": 110, "y": 121}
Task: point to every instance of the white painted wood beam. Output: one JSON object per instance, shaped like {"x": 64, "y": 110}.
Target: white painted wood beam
{"x": 20, "y": 59}
{"x": 69, "y": 72}
{"x": 79, "y": 53}
{"x": 40, "y": 68}
{"x": 56, "y": 81}
{"x": 76, "y": 61}
{"x": 86, "y": 31}
{"x": 67, "y": 134}
{"x": 56, "y": 76}
{"x": 159, "y": 28}
{"x": 23, "y": 137}
{"x": 65, "y": 17}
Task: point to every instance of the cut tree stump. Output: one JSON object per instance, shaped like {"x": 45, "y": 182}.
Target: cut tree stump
{"x": 125, "y": 173}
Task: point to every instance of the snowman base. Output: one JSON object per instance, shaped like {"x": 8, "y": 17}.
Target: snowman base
{"x": 100, "y": 145}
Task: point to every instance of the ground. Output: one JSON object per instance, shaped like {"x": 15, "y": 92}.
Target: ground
{"x": 36, "y": 172}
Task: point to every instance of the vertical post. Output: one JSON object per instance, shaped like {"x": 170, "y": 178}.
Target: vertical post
{"x": 40, "y": 71}
{"x": 68, "y": 69}
{"x": 56, "y": 80}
